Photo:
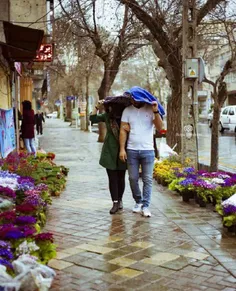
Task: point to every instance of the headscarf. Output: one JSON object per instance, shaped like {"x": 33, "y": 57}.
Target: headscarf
{"x": 117, "y": 105}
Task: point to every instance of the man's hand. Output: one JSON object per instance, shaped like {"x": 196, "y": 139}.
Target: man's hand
{"x": 123, "y": 156}
{"x": 154, "y": 106}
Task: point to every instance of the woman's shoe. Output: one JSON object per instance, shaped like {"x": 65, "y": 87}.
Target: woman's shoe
{"x": 115, "y": 208}
{"x": 120, "y": 204}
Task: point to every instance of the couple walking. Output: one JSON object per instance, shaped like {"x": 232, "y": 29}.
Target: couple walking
{"x": 129, "y": 144}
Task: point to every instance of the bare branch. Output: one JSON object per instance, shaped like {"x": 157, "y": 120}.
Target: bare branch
{"x": 208, "y": 7}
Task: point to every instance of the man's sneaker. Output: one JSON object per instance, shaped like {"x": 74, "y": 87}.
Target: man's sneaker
{"x": 146, "y": 212}
{"x": 137, "y": 208}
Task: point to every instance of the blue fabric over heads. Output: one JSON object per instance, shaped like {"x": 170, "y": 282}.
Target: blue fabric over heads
{"x": 141, "y": 95}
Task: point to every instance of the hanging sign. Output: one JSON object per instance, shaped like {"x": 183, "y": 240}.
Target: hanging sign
{"x": 44, "y": 54}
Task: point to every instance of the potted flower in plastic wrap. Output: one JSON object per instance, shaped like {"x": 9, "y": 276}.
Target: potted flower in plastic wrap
{"x": 228, "y": 211}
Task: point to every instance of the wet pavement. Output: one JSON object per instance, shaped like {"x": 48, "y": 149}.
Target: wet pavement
{"x": 227, "y": 147}
{"x": 181, "y": 247}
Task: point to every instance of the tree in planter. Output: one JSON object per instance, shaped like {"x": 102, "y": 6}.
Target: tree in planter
{"x": 111, "y": 50}
{"x": 164, "y": 21}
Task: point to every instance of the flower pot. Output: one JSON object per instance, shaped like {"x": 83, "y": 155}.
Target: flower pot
{"x": 158, "y": 180}
{"x": 187, "y": 195}
{"x": 163, "y": 182}
{"x": 232, "y": 228}
{"x": 201, "y": 202}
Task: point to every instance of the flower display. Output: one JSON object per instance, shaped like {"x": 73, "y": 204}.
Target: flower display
{"x": 202, "y": 186}
{"x": 26, "y": 186}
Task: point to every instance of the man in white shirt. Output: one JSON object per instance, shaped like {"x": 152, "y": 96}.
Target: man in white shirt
{"x": 140, "y": 117}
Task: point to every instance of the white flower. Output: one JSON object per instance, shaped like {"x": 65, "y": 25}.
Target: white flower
{"x": 26, "y": 248}
{"x": 218, "y": 181}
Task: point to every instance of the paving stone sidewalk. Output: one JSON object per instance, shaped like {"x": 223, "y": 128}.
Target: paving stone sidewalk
{"x": 181, "y": 247}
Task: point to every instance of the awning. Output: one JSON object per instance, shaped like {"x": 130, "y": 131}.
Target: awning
{"x": 20, "y": 44}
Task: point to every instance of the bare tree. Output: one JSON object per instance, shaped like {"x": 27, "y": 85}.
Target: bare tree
{"x": 223, "y": 30}
{"x": 164, "y": 21}
{"x": 76, "y": 70}
{"x": 111, "y": 50}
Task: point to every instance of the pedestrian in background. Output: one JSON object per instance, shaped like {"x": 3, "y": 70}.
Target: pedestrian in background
{"x": 109, "y": 159}
{"x": 39, "y": 119}
{"x": 144, "y": 112}
{"x": 27, "y": 127}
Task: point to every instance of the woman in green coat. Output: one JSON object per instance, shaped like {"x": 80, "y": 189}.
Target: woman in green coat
{"x": 110, "y": 151}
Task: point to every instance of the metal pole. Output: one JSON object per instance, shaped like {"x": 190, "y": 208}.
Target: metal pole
{"x": 189, "y": 112}
{"x": 17, "y": 94}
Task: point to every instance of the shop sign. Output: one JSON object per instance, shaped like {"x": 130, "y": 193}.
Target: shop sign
{"x": 44, "y": 54}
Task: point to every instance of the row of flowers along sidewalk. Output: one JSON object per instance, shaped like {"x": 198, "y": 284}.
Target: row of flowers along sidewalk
{"x": 26, "y": 186}
{"x": 216, "y": 188}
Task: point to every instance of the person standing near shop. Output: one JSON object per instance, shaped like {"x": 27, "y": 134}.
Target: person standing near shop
{"x": 39, "y": 119}
{"x": 144, "y": 112}
{"x": 109, "y": 158}
{"x": 27, "y": 127}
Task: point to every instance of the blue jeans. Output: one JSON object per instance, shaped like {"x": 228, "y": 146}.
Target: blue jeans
{"x": 145, "y": 159}
{"x": 30, "y": 145}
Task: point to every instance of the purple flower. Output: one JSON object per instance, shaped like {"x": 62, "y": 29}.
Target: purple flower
{"x": 4, "y": 244}
{"x": 204, "y": 184}
{"x": 6, "y": 254}
{"x": 6, "y": 263}
{"x": 187, "y": 182}
{"x": 228, "y": 209}
{"x": 41, "y": 187}
{"x": 25, "y": 183}
{"x": 192, "y": 176}
{"x": 25, "y": 220}
{"x": 22, "y": 180}
{"x": 230, "y": 182}
{"x": 189, "y": 170}
{"x": 34, "y": 200}
{"x": 179, "y": 175}
{"x": 14, "y": 234}
{"x": 27, "y": 230}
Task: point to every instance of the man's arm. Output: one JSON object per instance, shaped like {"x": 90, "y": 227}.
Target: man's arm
{"x": 124, "y": 128}
{"x": 157, "y": 121}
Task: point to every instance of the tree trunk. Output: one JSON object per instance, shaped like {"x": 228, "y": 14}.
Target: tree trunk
{"x": 215, "y": 139}
{"x": 173, "y": 136}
